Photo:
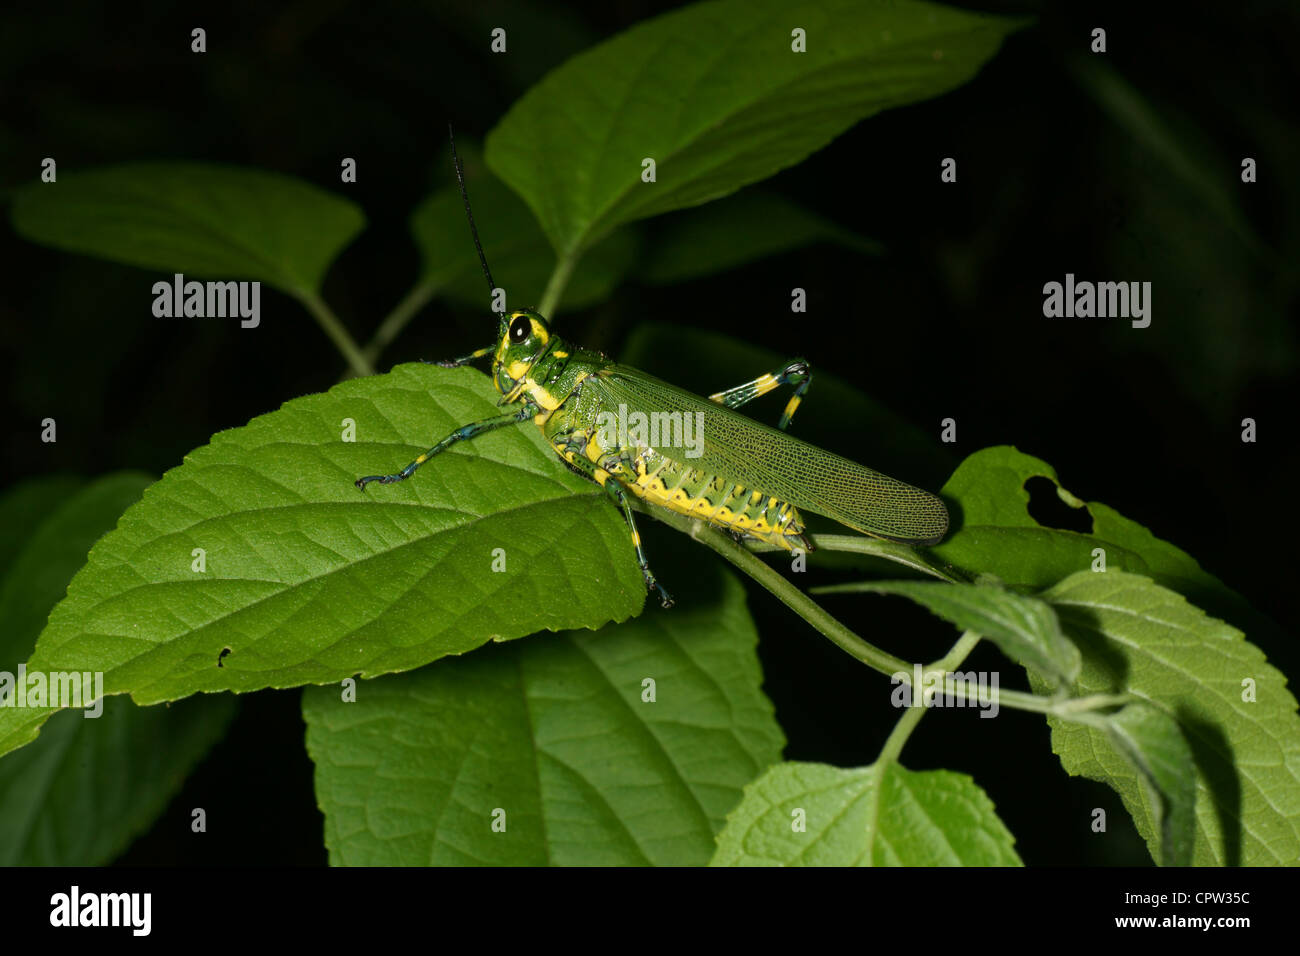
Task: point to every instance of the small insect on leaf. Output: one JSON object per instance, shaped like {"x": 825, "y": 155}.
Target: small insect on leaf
{"x": 636, "y": 435}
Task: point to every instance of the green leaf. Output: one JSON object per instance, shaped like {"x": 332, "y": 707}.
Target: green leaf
{"x": 1025, "y": 628}
{"x": 80, "y": 793}
{"x": 55, "y": 545}
{"x": 1147, "y": 124}
{"x": 22, "y": 509}
{"x": 522, "y": 260}
{"x": 198, "y": 219}
{"x": 308, "y": 580}
{"x": 996, "y": 535}
{"x": 715, "y": 95}
{"x": 1140, "y": 638}
{"x": 882, "y": 815}
{"x": 1155, "y": 747}
{"x": 556, "y": 733}
{"x": 735, "y": 231}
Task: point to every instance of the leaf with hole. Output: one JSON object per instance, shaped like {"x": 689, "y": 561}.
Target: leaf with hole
{"x": 995, "y": 534}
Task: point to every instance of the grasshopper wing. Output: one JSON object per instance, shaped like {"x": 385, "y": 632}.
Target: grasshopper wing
{"x": 756, "y": 456}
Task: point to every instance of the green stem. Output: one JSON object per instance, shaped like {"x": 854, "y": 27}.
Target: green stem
{"x": 1079, "y": 709}
{"x": 402, "y": 313}
{"x": 912, "y": 716}
{"x": 555, "y": 286}
{"x": 343, "y": 341}
{"x": 891, "y": 551}
{"x": 785, "y": 592}
{"x": 877, "y": 548}
{"x": 898, "y": 736}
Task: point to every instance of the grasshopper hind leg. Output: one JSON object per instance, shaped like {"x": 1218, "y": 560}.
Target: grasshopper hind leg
{"x": 796, "y": 373}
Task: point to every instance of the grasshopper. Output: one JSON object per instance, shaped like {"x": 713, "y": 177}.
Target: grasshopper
{"x": 736, "y": 474}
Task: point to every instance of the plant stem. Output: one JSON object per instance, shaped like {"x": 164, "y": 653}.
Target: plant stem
{"x": 876, "y": 548}
{"x": 1079, "y": 709}
{"x": 793, "y": 598}
{"x": 402, "y": 313}
{"x": 343, "y": 341}
{"x": 912, "y": 716}
{"x": 891, "y": 551}
{"x": 556, "y": 284}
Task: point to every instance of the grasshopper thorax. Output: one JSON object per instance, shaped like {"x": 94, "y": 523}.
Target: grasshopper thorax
{"x": 526, "y": 351}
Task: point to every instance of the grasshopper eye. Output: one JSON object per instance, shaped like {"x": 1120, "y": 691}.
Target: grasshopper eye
{"x": 519, "y": 329}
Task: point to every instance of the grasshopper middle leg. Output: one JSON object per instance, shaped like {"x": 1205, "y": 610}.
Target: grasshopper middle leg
{"x": 606, "y": 475}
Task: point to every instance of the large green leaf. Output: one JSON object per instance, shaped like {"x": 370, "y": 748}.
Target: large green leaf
{"x": 732, "y": 232}
{"x": 54, "y": 548}
{"x": 556, "y": 733}
{"x": 22, "y": 509}
{"x": 882, "y": 815}
{"x": 80, "y": 793}
{"x": 308, "y": 580}
{"x": 86, "y": 788}
{"x": 716, "y": 96}
{"x": 1140, "y": 638}
{"x": 198, "y": 219}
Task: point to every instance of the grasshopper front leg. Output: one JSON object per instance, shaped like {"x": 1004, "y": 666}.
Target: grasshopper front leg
{"x": 464, "y": 359}
{"x": 471, "y": 430}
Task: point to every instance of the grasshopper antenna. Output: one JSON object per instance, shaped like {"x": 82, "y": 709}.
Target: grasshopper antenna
{"x": 464, "y": 194}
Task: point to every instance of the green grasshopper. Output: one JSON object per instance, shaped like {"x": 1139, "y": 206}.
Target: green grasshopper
{"x": 713, "y": 464}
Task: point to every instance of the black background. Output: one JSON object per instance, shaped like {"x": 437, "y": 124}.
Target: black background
{"x": 948, "y": 323}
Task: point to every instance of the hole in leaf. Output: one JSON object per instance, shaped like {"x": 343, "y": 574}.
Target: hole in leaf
{"x": 221, "y": 656}
{"x": 1047, "y": 508}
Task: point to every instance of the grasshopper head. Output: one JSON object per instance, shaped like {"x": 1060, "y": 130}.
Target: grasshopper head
{"x": 525, "y": 337}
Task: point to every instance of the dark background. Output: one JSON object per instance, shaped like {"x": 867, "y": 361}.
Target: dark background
{"x": 948, "y": 323}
